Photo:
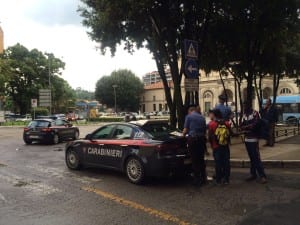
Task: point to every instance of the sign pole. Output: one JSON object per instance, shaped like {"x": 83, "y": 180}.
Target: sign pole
{"x": 191, "y": 72}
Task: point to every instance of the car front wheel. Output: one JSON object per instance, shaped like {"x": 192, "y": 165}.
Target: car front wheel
{"x": 135, "y": 170}
{"x": 72, "y": 160}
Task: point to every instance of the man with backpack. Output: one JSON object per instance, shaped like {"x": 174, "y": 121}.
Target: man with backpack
{"x": 218, "y": 133}
{"x": 251, "y": 126}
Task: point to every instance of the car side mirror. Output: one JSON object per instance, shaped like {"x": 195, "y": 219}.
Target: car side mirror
{"x": 88, "y": 137}
{"x": 70, "y": 125}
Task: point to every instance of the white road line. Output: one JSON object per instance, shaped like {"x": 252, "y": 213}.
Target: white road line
{"x": 3, "y": 198}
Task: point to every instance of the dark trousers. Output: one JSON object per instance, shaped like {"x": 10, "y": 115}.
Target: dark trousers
{"x": 271, "y": 138}
{"x": 196, "y": 146}
{"x": 222, "y": 163}
{"x": 255, "y": 161}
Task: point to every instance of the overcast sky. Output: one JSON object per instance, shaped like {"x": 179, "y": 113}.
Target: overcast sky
{"x": 55, "y": 26}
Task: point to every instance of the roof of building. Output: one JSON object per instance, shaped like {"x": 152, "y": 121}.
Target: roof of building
{"x": 158, "y": 85}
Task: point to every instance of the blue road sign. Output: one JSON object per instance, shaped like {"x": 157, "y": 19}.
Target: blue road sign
{"x": 191, "y": 69}
{"x": 191, "y": 49}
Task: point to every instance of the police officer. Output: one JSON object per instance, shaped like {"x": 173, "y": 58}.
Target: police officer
{"x": 195, "y": 130}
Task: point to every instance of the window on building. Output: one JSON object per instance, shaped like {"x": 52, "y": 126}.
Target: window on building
{"x": 166, "y": 107}
{"x": 143, "y": 98}
{"x": 143, "y": 108}
{"x": 285, "y": 91}
{"x": 160, "y": 108}
{"x": 154, "y": 98}
{"x": 154, "y": 107}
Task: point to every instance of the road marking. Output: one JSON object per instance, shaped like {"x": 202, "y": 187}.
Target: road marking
{"x": 153, "y": 212}
{"x": 2, "y": 198}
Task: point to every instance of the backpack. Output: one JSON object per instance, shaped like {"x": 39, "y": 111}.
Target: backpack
{"x": 222, "y": 133}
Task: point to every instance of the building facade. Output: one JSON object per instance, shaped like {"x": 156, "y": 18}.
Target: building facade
{"x": 153, "y": 77}
{"x": 153, "y": 98}
{"x": 1, "y": 40}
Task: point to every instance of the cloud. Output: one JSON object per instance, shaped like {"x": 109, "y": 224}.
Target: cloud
{"x": 54, "y": 12}
{"x": 63, "y": 35}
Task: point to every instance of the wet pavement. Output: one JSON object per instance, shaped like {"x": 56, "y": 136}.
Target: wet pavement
{"x": 36, "y": 188}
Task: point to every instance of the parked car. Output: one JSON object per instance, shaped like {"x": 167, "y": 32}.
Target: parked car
{"x": 49, "y": 131}
{"x": 24, "y": 118}
{"x": 139, "y": 149}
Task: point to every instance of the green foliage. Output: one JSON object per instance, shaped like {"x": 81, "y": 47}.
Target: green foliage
{"x": 259, "y": 34}
{"x": 128, "y": 90}
{"x": 25, "y": 71}
{"x": 84, "y": 94}
{"x": 107, "y": 119}
{"x": 39, "y": 111}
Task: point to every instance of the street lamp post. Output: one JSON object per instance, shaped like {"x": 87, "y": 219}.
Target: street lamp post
{"x": 114, "y": 87}
{"x": 49, "y": 74}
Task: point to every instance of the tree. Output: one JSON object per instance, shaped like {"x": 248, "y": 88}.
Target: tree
{"x": 27, "y": 71}
{"x": 84, "y": 94}
{"x": 253, "y": 40}
{"x": 128, "y": 90}
{"x": 63, "y": 96}
{"x": 227, "y": 31}
{"x": 159, "y": 25}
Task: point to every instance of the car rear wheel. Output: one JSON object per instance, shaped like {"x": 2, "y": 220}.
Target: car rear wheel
{"x": 55, "y": 139}
{"x": 27, "y": 141}
{"x": 135, "y": 170}
{"x": 72, "y": 160}
{"x": 76, "y": 135}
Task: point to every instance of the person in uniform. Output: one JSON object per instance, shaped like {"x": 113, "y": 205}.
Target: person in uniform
{"x": 195, "y": 131}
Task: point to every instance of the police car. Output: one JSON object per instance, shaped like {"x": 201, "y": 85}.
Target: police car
{"x": 139, "y": 149}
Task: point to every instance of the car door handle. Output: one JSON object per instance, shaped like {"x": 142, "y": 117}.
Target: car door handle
{"x": 124, "y": 145}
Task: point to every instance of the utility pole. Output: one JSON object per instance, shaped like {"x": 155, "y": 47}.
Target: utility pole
{"x": 49, "y": 74}
{"x": 114, "y": 87}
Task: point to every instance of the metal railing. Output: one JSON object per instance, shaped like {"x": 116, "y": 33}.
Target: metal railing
{"x": 291, "y": 127}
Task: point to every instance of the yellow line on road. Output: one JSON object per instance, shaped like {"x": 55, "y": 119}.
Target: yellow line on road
{"x": 153, "y": 212}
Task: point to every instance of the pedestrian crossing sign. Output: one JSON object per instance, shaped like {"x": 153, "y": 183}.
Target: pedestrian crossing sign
{"x": 191, "y": 49}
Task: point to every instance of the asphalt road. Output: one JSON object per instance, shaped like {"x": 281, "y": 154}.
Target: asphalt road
{"x": 36, "y": 188}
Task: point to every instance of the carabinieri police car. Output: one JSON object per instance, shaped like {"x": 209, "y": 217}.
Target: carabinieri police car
{"x": 139, "y": 149}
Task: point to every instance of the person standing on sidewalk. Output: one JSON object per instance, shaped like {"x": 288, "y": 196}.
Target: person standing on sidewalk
{"x": 195, "y": 131}
{"x": 225, "y": 110}
{"x": 218, "y": 135}
{"x": 269, "y": 113}
{"x": 250, "y": 127}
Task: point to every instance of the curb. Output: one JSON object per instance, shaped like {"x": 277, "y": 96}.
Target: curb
{"x": 241, "y": 163}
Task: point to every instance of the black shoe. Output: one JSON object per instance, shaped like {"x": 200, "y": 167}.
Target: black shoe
{"x": 251, "y": 178}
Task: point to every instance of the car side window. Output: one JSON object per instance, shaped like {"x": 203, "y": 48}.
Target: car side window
{"x": 59, "y": 122}
{"x": 123, "y": 132}
{"x": 103, "y": 133}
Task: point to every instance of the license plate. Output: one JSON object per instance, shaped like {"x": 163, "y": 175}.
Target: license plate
{"x": 187, "y": 161}
{"x": 33, "y": 136}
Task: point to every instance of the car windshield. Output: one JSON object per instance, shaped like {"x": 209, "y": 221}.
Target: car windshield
{"x": 158, "y": 129}
{"x": 39, "y": 123}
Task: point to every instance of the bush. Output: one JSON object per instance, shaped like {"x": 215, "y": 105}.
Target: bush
{"x": 39, "y": 111}
{"x": 107, "y": 119}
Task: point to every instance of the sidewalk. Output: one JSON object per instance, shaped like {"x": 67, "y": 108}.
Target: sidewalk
{"x": 285, "y": 153}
